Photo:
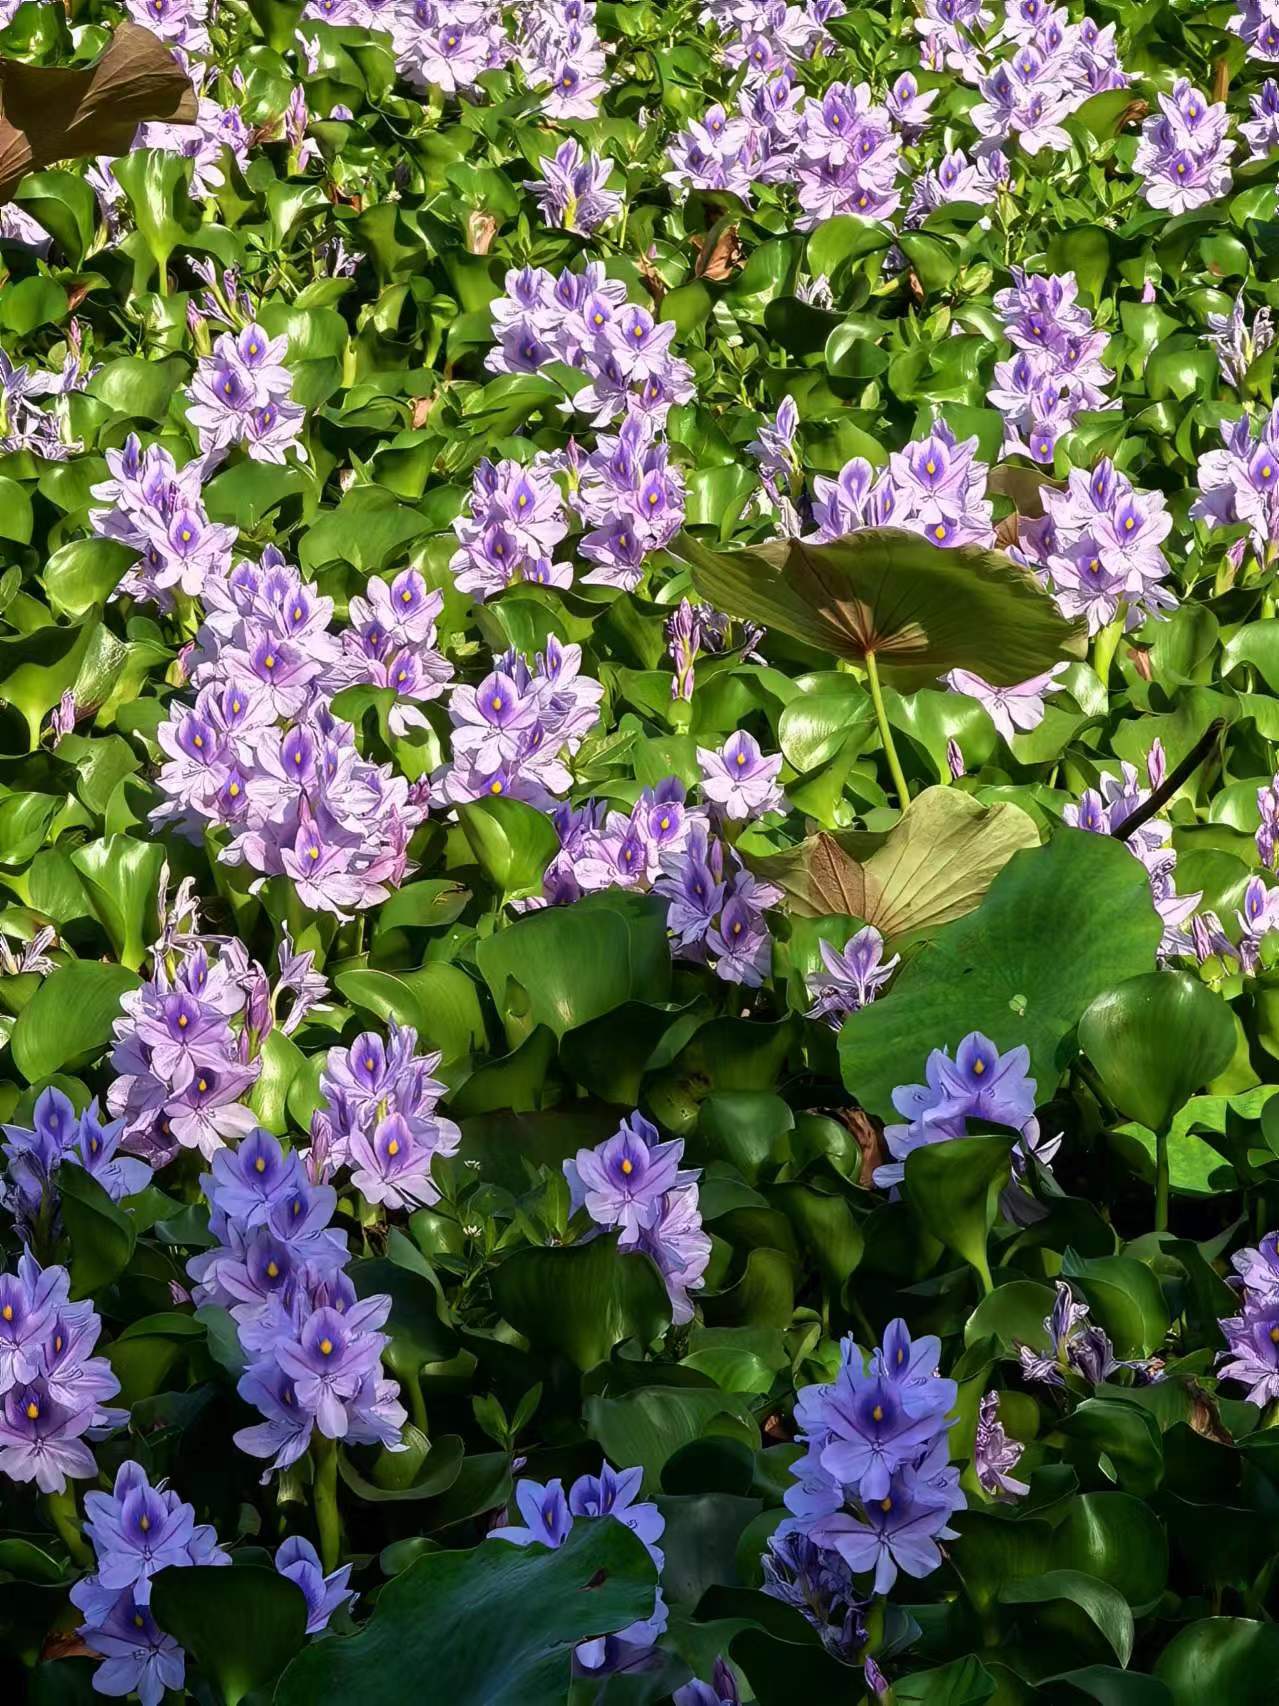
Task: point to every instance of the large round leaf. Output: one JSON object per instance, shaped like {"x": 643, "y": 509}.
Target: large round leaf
{"x": 1226, "y": 1659}
{"x": 241, "y": 1625}
{"x": 920, "y": 609}
{"x": 583, "y": 1299}
{"x": 1156, "y": 1039}
{"x": 1060, "y": 924}
{"x": 69, "y": 1017}
{"x": 493, "y": 1626}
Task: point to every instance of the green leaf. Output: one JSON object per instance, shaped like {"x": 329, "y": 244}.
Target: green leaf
{"x": 963, "y": 1682}
{"x": 121, "y": 877}
{"x": 920, "y": 609}
{"x": 1060, "y": 924}
{"x": 241, "y": 1625}
{"x": 434, "y": 1473}
{"x": 567, "y": 965}
{"x": 513, "y": 843}
{"x": 69, "y": 1017}
{"x": 493, "y": 1626}
{"x": 100, "y": 1233}
{"x": 1118, "y": 1539}
{"x": 438, "y": 1000}
{"x": 1110, "y": 1431}
{"x": 1103, "y": 1605}
{"x": 1156, "y": 1039}
{"x": 65, "y": 205}
{"x": 953, "y": 1187}
{"x": 1226, "y": 1659}
{"x": 1125, "y": 1297}
{"x": 582, "y": 1300}
{"x": 36, "y": 669}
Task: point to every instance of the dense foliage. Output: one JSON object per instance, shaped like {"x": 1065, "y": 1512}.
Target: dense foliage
{"x": 639, "y": 952}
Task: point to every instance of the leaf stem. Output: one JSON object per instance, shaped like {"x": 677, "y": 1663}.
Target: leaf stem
{"x": 885, "y": 733}
{"x": 324, "y": 1495}
{"x": 1104, "y": 647}
{"x": 65, "y": 1517}
{"x": 1161, "y": 1181}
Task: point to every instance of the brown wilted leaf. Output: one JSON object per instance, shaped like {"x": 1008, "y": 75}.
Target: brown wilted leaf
{"x": 1134, "y": 113}
{"x": 1024, "y": 486}
{"x": 481, "y": 228}
{"x": 914, "y": 285}
{"x": 868, "y": 1134}
{"x": 65, "y": 1644}
{"x": 776, "y": 1429}
{"x": 720, "y": 257}
{"x": 1139, "y": 657}
{"x": 50, "y": 113}
{"x": 1205, "y": 1417}
{"x": 1007, "y": 532}
{"x": 651, "y": 279}
{"x": 422, "y": 407}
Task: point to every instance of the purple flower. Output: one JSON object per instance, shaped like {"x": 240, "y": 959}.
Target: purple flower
{"x": 851, "y": 977}
{"x": 721, "y": 1690}
{"x": 819, "y": 1584}
{"x": 1077, "y": 1345}
{"x": 1184, "y": 152}
{"x": 299, "y": 1562}
{"x": 739, "y": 780}
{"x": 138, "y": 1530}
{"x": 138, "y": 1657}
{"x": 29, "y": 1301}
{"x": 995, "y": 1456}
{"x": 1013, "y": 710}
{"x": 679, "y": 1246}
{"x": 40, "y": 1438}
{"x": 979, "y": 1083}
{"x": 571, "y": 190}
{"x": 393, "y": 1165}
{"x": 622, "y": 1182}
{"x": 1252, "y": 1336}
{"x": 331, "y": 1358}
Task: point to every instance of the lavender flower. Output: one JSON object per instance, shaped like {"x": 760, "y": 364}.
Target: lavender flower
{"x": 1237, "y": 345}
{"x": 383, "y": 1094}
{"x": 819, "y": 1585}
{"x": 721, "y": 1690}
{"x": 739, "y": 780}
{"x": 299, "y": 1562}
{"x": 571, "y": 190}
{"x": 1076, "y": 1345}
{"x": 874, "y": 1485}
{"x": 1056, "y": 371}
{"x": 549, "y": 1515}
{"x": 994, "y": 1454}
{"x": 1184, "y": 153}
{"x": 138, "y": 1657}
{"x": 1252, "y": 1336}
{"x": 851, "y": 977}
{"x": 138, "y": 1530}
{"x": 1013, "y": 710}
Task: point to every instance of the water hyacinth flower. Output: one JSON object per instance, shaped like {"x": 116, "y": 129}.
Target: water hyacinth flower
{"x": 1237, "y": 344}
{"x": 851, "y": 977}
{"x": 634, "y": 1182}
{"x": 571, "y": 190}
{"x": 874, "y": 1485}
{"x": 1078, "y": 1346}
{"x": 549, "y": 1516}
{"x": 819, "y": 1585}
{"x": 137, "y": 1530}
{"x": 721, "y": 1690}
{"x": 298, "y": 1562}
{"x": 137, "y": 1656}
{"x": 1013, "y": 710}
{"x": 978, "y": 1083}
{"x": 995, "y": 1456}
{"x": 1184, "y": 152}
{"x": 1252, "y": 1336}
{"x": 739, "y": 780}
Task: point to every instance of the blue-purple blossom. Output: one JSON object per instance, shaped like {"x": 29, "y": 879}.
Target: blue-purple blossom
{"x": 1252, "y": 1336}
{"x": 572, "y": 190}
{"x": 299, "y": 1562}
{"x": 819, "y": 1585}
{"x": 739, "y": 781}
{"x": 850, "y": 977}
{"x": 1183, "y": 157}
{"x": 137, "y": 1530}
{"x": 979, "y": 1083}
{"x": 721, "y": 1690}
{"x": 137, "y": 1656}
{"x": 995, "y": 1456}
{"x": 549, "y": 1514}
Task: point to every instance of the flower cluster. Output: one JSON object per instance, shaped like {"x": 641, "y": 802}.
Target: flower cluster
{"x": 1057, "y": 370}
{"x": 137, "y": 1530}
{"x": 383, "y": 1119}
{"x": 156, "y": 508}
{"x": 1239, "y": 484}
{"x": 979, "y": 1083}
{"x": 1257, "y": 23}
{"x": 1237, "y": 344}
{"x": 242, "y": 394}
{"x": 630, "y": 499}
{"x": 53, "y": 1389}
{"x": 935, "y": 487}
{"x": 632, "y": 1183}
{"x": 512, "y": 733}
{"x": 572, "y": 192}
{"x": 1183, "y": 157}
{"x": 436, "y": 46}
{"x": 1054, "y": 66}
{"x": 850, "y": 977}
{"x": 739, "y": 781}
{"x": 584, "y": 320}
{"x": 1261, "y": 131}
{"x": 819, "y": 1585}
{"x": 278, "y": 1267}
{"x": 695, "y": 629}
{"x": 841, "y": 150}
{"x": 24, "y": 426}
{"x": 513, "y": 523}
{"x": 1253, "y": 1335}
{"x": 713, "y": 918}
{"x": 1099, "y": 548}
{"x": 261, "y": 753}
{"x": 874, "y": 1484}
{"x": 58, "y": 1134}
{"x": 549, "y": 1514}
{"x": 1104, "y": 809}
{"x": 561, "y": 55}
{"x": 765, "y": 36}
